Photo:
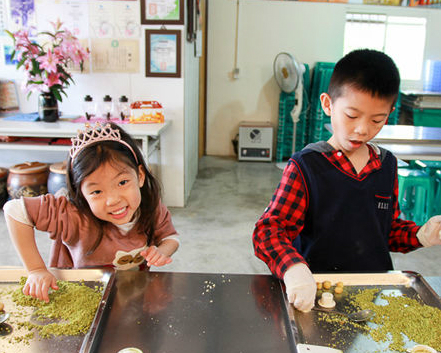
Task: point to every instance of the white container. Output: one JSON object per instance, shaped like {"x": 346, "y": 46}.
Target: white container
{"x": 123, "y": 108}
{"x": 107, "y": 108}
{"x": 255, "y": 141}
{"x": 89, "y": 107}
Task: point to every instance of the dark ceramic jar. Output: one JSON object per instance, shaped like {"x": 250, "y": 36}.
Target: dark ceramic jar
{"x": 27, "y": 179}
{"x": 3, "y": 190}
{"x": 57, "y": 178}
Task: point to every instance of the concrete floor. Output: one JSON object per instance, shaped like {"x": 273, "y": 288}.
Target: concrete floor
{"x": 216, "y": 225}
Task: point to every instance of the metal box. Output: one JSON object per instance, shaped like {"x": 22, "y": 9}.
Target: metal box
{"x": 255, "y": 141}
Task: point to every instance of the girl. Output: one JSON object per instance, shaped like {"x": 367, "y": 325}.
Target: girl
{"x": 112, "y": 216}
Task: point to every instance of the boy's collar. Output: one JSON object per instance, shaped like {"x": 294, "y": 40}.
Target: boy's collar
{"x": 325, "y": 147}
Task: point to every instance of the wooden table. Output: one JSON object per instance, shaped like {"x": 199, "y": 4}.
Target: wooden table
{"x": 149, "y": 135}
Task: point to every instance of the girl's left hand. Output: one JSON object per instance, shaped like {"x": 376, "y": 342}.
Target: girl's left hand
{"x": 155, "y": 257}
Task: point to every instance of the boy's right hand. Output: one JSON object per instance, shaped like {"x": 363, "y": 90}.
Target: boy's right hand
{"x": 38, "y": 284}
{"x": 300, "y": 287}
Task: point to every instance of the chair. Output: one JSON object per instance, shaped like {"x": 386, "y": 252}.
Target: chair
{"x": 415, "y": 194}
{"x": 433, "y": 168}
{"x": 437, "y": 198}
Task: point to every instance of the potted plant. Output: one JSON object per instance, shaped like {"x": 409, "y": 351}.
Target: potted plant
{"x": 47, "y": 64}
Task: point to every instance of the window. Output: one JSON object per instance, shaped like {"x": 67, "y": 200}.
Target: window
{"x": 402, "y": 38}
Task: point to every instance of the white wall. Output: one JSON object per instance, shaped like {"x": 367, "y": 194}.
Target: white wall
{"x": 191, "y": 122}
{"x": 311, "y": 31}
{"x": 168, "y": 91}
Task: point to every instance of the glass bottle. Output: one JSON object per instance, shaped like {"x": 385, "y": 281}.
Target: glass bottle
{"x": 124, "y": 108}
{"x": 107, "y": 107}
{"x": 89, "y": 107}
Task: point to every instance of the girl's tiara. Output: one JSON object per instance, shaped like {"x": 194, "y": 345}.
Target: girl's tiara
{"x": 93, "y": 134}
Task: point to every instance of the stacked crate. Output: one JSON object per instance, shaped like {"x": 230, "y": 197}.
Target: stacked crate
{"x": 317, "y": 118}
{"x": 421, "y": 109}
{"x": 394, "y": 116}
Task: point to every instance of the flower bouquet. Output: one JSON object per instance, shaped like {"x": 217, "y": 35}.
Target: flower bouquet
{"x": 47, "y": 62}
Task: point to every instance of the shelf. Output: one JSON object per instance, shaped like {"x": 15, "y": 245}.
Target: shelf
{"x": 20, "y": 146}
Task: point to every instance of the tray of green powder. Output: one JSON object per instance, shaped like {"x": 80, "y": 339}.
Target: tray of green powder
{"x": 69, "y": 323}
{"x": 407, "y": 312}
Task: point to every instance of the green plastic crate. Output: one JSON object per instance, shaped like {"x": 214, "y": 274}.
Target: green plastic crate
{"x": 427, "y": 117}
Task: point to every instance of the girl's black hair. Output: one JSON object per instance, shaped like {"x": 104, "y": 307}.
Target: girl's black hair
{"x": 95, "y": 155}
{"x": 367, "y": 70}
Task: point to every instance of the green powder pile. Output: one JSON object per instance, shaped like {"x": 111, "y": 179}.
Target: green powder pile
{"x": 401, "y": 317}
{"x": 70, "y": 311}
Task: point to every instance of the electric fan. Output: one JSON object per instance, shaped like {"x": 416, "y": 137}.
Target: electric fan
{"x": 288, "y": 73}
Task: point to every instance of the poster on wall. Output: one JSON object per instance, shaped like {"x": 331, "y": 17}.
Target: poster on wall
{"x": 74, "y": 14}
{"x": 3, "y": 17}
{"x": 114, "y": 19}
{"x": 126, "y": 18}
{"x": 101, "y": 19}
{"x": 162, "y": 12}
{"x": 113, "y": 55}
{"x": 22, "y": 15}
{"x": 163, "y": 53}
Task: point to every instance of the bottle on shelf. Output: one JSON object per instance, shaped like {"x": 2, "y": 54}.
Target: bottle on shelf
{"x": 89, "y": 107}
{"x": 107, "y": 107}
{"x": 124, "y": 108}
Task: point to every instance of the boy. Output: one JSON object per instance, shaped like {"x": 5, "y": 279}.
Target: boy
{"x": 336, "y": 207}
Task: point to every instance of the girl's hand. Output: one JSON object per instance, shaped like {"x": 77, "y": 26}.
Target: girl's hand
{"x": 155, "y": 257}
{"x": 38, "y": 284}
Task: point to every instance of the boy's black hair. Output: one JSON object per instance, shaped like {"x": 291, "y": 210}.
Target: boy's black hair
{"x": 366, "y": 70}
{"x": 95, "y": 155}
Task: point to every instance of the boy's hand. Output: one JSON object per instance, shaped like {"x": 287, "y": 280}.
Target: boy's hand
{"x": 38, "y": 284}
{"x": 300, "y": 287}
{"x": 155, "y": 257}
{"x": 430, "y": 233}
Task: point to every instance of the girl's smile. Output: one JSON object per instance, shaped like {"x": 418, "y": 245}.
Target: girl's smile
{"x": 121, "y": 213}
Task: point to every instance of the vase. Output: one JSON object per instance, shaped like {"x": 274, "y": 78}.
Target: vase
{"x": 56, "y": 183}
{"x": 47, "y": 107}
{"x": 27, "y": 179}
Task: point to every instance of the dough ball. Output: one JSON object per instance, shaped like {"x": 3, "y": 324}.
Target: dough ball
{"x": 338, "y": 290}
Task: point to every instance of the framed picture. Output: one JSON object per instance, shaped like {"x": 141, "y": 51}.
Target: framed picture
{"x": 162, "y": 12}
{"x": 163, "y": 53}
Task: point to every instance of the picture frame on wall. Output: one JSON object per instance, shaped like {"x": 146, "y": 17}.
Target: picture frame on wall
{"x": 163, "y": 53}
{"x": 162, "y": 12}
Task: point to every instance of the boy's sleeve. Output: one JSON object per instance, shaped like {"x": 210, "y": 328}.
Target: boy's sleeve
{"x": 282, "y": 222}
{"x": 164, "y": 228}
{"x": 402, "y": 237}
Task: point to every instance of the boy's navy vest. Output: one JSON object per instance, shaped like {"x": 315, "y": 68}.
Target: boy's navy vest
{"x": 348, "y": 221}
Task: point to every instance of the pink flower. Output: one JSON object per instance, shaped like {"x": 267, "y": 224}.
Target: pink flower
{"x": 33, "y": 49}
{"x": 48, "y": 62}
{"x": 53, "y": 79}
{"x": 30, "y": 85}
{"x": 21, "y": 38}
{"x": 57, "y": 25}
{"x": 48, "y": 65}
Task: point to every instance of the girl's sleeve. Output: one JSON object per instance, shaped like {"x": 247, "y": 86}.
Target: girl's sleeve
{"x": 16, "y": 209}
{"x": 164, "y": 228}
{"x": 54, "y": 215}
